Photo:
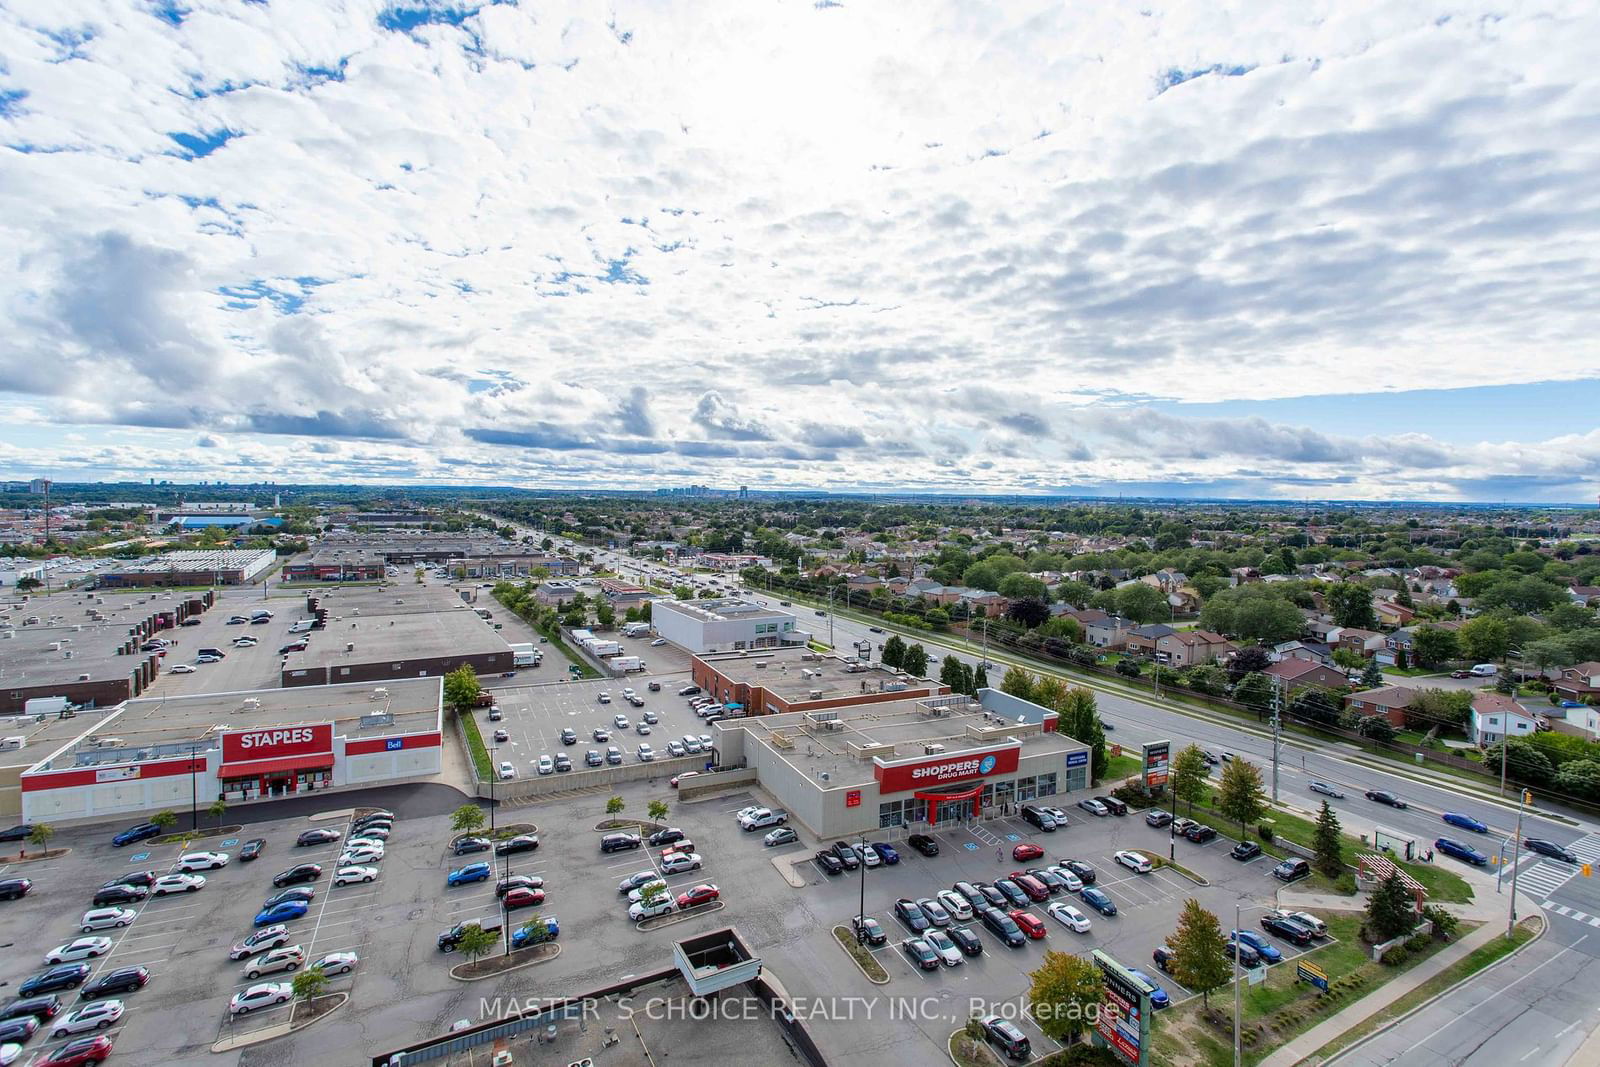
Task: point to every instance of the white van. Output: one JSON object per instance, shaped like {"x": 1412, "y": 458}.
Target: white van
{"x": 301, "y": 627}
{"x": 1484, "y": 670}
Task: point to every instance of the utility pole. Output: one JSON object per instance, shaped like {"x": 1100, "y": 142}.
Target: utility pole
{"x": 1511, "y": 918}
{"x": 1237, "y": 1060}
{"x": 861, "y": 928}
{"x": 830, "y": 616}
{"x": 1277, "y": 733}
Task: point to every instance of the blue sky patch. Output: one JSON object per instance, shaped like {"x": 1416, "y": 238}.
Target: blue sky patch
{"x": 11, "y": 102}
{"x": 169, "y": 11}
{"x": 1175, "y": 77}
{"x": 403, "y": 18}
{"x": 200, "y": 145}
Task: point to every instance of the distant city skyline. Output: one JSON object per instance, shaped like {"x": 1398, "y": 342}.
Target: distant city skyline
{"x": 1058, "y": 249}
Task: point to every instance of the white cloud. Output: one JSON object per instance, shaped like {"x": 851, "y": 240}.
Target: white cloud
{"x": 840, "y": 246}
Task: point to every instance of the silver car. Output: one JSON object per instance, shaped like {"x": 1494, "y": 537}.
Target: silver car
{"x": 265, "y": 938}
{"x": 279, "y": 959}
{"x": 106, "y": 918}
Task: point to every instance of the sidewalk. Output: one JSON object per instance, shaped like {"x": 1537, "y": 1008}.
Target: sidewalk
{"x": 1352, "y": 1015}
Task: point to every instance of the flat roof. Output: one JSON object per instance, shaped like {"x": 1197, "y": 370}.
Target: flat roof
{"x": 326, "y": 554}
{"x": 893, "y": 730}
{"x": 26, "y": 658}
{"x": 400, "y": 622}
{"x": 672, "y": 1025}
{"x": 794, "y": 672}
{"x": 411, "y": 705}
{"x": 717, "y": 609}
{"x": 223, "y": 559}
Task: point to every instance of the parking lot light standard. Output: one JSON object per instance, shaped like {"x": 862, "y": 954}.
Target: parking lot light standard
{"x": 861, "y": 927}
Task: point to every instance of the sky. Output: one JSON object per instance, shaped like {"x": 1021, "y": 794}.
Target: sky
{"x": 1319, "y": 250}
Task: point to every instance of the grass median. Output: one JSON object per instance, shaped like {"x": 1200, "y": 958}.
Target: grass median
{"x": 475, "y": 745}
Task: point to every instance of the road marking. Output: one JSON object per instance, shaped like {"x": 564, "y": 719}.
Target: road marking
{"x": 1451, "y": 1022}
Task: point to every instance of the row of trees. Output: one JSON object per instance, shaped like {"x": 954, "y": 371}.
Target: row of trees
{"x": 1078, "y": 717}
{"x": 897, "y": 655}
{"x": 962, "y": 678}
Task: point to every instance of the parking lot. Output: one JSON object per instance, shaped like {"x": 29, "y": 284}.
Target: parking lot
{"x": 242, "y": 668}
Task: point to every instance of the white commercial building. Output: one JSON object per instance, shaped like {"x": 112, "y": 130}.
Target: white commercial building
{"x": 724, "y": 624}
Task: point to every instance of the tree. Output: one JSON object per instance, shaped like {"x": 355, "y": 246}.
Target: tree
{"x": 615, "y": 805}
{"x": 1314, "y": 706}
{"x": 1371, "y": 674}
{"x": 1065, "y": 627}
{"x": 1207, "y": 678}
{"x": 1350, "y": 604}
{"x": 309, "y": 984}
{"x": 1447, "y": 709}
{"x": 1199, "y": 954}
{"x": 466, "y": 819}
{"x": 1064, "y": 995}
{"x": 1018, "y": 682}
{"x": 1255, "y": 691}
{"x": 1433, "y": 646}
{"x": 166, "y": 819}
{"x": 1029, "y": 612}
{"x": 1241, "y": 796}
{"x": 1550, "y": 652}
{"x": 1391, "y": 911}
{"x": 1049, "y": 692}
{"x": 28, "y": 584}
{"x": 1376, "y": 728}
{"x": 535, "y": 930}
{"x": 894, "y": 652}
{"x": 217, "y": 810}
{"x": 980, "y": 678}
{"x": 1255, "y": 612}
{"x": 41, "y": 834}
{"x": 1019, "y": 586}
{"x": 1349, "y": 658}
{"x": 683, "y": 592}
{"x": 915, "y": 661}
{"x": 461, "y": 689}
{"x": 1142, "y": 603}
{"x": 657, "y": 810}
{"x": 1485, "y": 638}
{"x": 952, "y": 672}
{"x": 605, "y": 614}
{"x": 1248, "y": 659}
{"x": 1190, "y": 775}
{"x": 1524, "y": 762}
{"x": 1329, "y": 845}
{"x": 476, "y": 941}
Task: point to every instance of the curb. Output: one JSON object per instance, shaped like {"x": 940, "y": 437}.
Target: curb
{"x": 272, "y": 1033}
{"x": 47, "y": 854}
{"x": 543, "y": 958}
{"x": 1544, "y": 927}
{"x": 786, "y": 869}
{"x": 1168, "y": 865}
{"x": 863, "y": 970}
{"x": 674, "y": 917}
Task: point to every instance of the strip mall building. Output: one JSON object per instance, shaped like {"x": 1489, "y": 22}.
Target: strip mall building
{"x": 146, "y": 755}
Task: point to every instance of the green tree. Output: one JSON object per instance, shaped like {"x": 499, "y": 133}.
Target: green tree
{"x": 657, "y": 810}
{"x": 1350, "y": 604}
{"x": 1371, "y": 674}
{"x": 1312, "y": 705}
{"x": 1065, "y": 995}
{"x": 1190, "y": 775}
{"x": 915, "y": 662}
{"x": 461, "y": 689}
{"x": 1376, "y": 728}
{"x": 309, "y": 984}
{"x": 1255, "y": 692}
{"x": 1019, "y": 586}
{"x": 980, "y": 678}
{"x": 615, "y": 805}
{"x": 1524, "y": 761}
{"x": 217, "y": 810}
{"x": 1550, "y": 652}
{"x": 466, "y": 819}
{"x": 894, "y": 652}
{"x": 1349, "y": 658}
{"x": 41, "y": 834}
{"x": 166, "y": 819}
{"x": 1207, "y": 678}
{"x": 1199, "y": 953}
{"x": 1485, "y": 638}
{"x": 605, "y": 614}
{"x": 1391, "y": 911}
{"x": 952, "y": 673}
{"x": 1326, "y": 840}
{"x": 1018, "y": 682}
{"x": 1143, "y": 603}
{"x": 1579, "y": 778}
{"x": 1433, "y": 646}
{"x": 1240, "y": 796}
{"x": 683, "y": 592}
{"x": 535, "y": 930}
{"x": 476, "y": 941}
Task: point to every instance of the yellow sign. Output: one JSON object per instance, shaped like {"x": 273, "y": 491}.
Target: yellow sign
{"x": 1588, "y": 869}
{"x": 1312, "y": 968}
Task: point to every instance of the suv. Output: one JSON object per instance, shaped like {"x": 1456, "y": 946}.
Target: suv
{"x": 451, "y": 938}
{"x": 1003, "y": 926}
{"x": 1013, "y": 1042}
{"x": 1291, "y": 870}
{"x": 1033, "y": 814}
{"x": 1287, "y": 928}
{"x": 620, "y": 842}
{"x": 1113, "y": 805}
{"x": 135, "y": 833}
{"x": 1158, "y": 818}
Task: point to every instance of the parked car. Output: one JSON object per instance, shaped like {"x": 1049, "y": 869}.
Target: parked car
{"x": 955, "y": 903}
{"x": 1137, "y": 862}
{"x": 1245, "y": 850}
{"x": 472, "y": 872}
{"x": 1024, "y": 852}
{"x": 700, "y": 894}
{"x": 907, "y": 911}
{"x": 520, "y": 843}
{"x": 1158, "y": 996}
{"x": 868, "y": 929}
{"x": 920, "y": 953}
{"x": 1015, "y": 897}
{"x": 82, "y": 948}
{"x": 288, "y": 958}
{"x": 120, "y": 981}
{"x": 783, "y": 835}
{"x": 935, "y": 911}
{"x": 923, "y": 844}
{"x": 268, "y": 937}
{"x": 336, "y": 963}
{"x": 264, "y": 995}
{"x": 1248, "y": 957}
{"x": 299, "y": 892}
{"x": 847, "y": 855}
{"x": 1069, "y": 881}
{"x": 1264, "y": 948}
{"x": 1093, "y": 807}
{"x": 829, "y": 862}
{"x": 886, "y": 852}
{"x": 1158, "y": 818}
{"x": 1465, "y": 822}
{"x": 56, "y": 979}
{"x": 521, "y": 898}
{"x": 106, "y": 918}
{"x": 1289, "y": 929}
{"x": 1086, "y": 873}
{"x": 944, "y": 948}
{"x": 251, "y": 849}
{"x": 1462, "y": 852}
{"x": 1291, "y": 870}
{"x": 321, "y": 836}
{"x": 1029, "y": 922}
{"x": 202, "y": 861}
{"x": 300, "y": 872}
{"x": 1036, "y": 816}
{"x": 1003, "y": 926}
{"x": 353, "y": 874}
{"x": 1383, "y": 796}
{"x": 135, "y": 833}
{"x": 465, "y": 846}
{"x": 1113, "y": 805}
{"x": 1005, "y": 1035}
{"x": 1200, "y": 834}
{"x": 869, "y": 857}
{"x": 1327, "y": 790}
{"x": 1098, "y": 900}
{"x": 968, "y": 942}
{"x": 679, "y": 862}
{"x": 118, "y": 894}
{"x": 1053, "y": 882}
{"x": 80, "y": 1053}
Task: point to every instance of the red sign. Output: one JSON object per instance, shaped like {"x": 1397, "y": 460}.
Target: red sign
{"x": 942, "y": 770}
{"x": 852, "y": 799}
{"x": 277, "y": 741}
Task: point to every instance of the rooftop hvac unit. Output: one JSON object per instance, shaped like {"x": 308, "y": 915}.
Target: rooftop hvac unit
{"x": 824, "y": 775}
{"x": 83, "y": 677}
{"x": 816, "y": 694}
{"x": 760, "y": 663}
{"x": 252, "y": 703}
{"x": 349, "y": 646}
{"x": 67, "y": 654}
{"x": 932, "y": 750}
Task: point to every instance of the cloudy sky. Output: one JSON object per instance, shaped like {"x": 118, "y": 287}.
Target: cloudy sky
{"x": 1322, "y": 249}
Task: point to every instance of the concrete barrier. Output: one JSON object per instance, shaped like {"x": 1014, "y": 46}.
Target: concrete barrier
{"x": 709, "y": 782}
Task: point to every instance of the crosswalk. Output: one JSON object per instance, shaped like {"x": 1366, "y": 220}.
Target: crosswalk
{"x": 1547, "y": 876}
{"x": 1571, "y": 913}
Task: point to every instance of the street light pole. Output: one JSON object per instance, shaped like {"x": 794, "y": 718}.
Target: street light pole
{"x": 1236, "y": 1009}
{"x": 861, "y": 927}
{"x": 1511, "y": 919}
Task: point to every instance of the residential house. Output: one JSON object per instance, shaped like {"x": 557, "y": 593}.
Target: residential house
{"x": 983, "y": 602}
{"x": 898, "y": 585}
{"x": 1300, "y": 672}
{"x": 1141, "y": 640}
{"x": 1322, "y": 628}
{"x": 1108, "y": 633}
{"x": 1578, "y": 682}
{"x": 1401, "y": 642}
{"x": 863, "y": 583}
{"x": 1390, "y": 701}
{"x": 1585, "y": 595}
{"x": 1367, "y": 643}
{"x": 1184, "y": 601}
{"x": 1582, "y": 721}
{"x": 1392, "y": 614}
{"x": 1186, "y": 648}
{"x": 1494, "y": 715}
{"x": 1088, "y": 616}
{"x": 920, "y": 586}
{"x": 1313, "y": 651}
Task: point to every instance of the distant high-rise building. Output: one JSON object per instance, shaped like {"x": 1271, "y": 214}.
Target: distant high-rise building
{"x": 744, "y": 492}
{"x": 39, "y": 486}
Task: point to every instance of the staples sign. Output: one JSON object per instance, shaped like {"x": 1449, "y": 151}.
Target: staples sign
{"x": 277, "y": 741}
{"x": 944, "y": 770}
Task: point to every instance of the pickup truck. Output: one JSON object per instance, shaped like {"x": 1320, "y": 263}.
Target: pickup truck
{"x": 450, "y": 940}
{"x": 762, "y": 818}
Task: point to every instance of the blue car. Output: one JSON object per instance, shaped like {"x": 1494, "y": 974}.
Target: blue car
{"x": 1264, "y": 948}
{"x": 472, "y": 872}
{"x": 1159, "y": 998}
{"x": 138, "y": 832}
{"x": 520, "y": 938}
{"x": 1464, "y": 853}
{"x": 886, "y": 852}
{"x": 289, "y": 909}
{"x": 1466, "y": 822}
{"x": 1098, "y": 900}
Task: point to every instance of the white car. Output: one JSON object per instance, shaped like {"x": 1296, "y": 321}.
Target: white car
{"x": 621, "y": 723}
{"x": 356, "y": 857}
{"x": 636, "y": 895}
{"x": 646, "y": 754}
{"x": 679, "y": 862}
{"x": 337, "y": 963}
{"x": 260, "y": 996}
{"x": 202, "y": 861}
{"x": 83, "y": 948}
{"x": 177, "y": 883}
{"x": 363, "y": 841}
{"x": 604, "y": 698}
{"x": 288, "y": 958}
{"x": 263, "y": 939}
{"x": 507, "y": 772}
{"x": 1135, "y": 861}
{"x": 180, "y": 668}
{"x": 353, "y": 874}
{"x": 675, "y": 749}
{"x": 105, "y": 918}
{"x": 546, "y": 765}
{"x": 956, "y": 904}
{"x": 626, "y": 693}
{"x": 744, "y": 813}
{"x": 96, "y": 1015}
{"x": 1074, "y": 883}
{"x": 1070, "y": 917}
{"x": 944, "y": 948}
{"x": 10, "y": 1053}
{"x": 658, "y": 642}
{"x": 869, "y": 855}
{"x": 640, "y": 910}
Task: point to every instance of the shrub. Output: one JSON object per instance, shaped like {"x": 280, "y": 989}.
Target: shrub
{"x": 1394, "y": 957}
{"x": 1418, "y": 943}
{"x": 975, "y": 1029}
{"x": 1266, "y": 832}
{"x": 1444, "y": 923}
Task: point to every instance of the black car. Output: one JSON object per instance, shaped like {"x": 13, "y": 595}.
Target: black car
{"x": 992, "y": 897}
{"x": 847, "y": 855}
{"x": 829, "y": 863}
{"x": 17, "y": 1031}
{"x": 304, "y": 894}
{"x": 1003, "y": 926}
{"x": 1288, "y": 929}
{"x": 1013, "y": 893}
{"x": 667, "y": 836}
{"x": 1248, "y": 957}
{"x": 520, "y": 843}
{"x": 19, "y": 832}
{"x": 14, "y": 888}
{"x": 968, "y": 942}
{"x": 38, "y": 1009}
{"x": 359, "y": 828}
{"x": 1549, "y": 848}
{"x": 998, "y": 1031}
{"x": 923, "y": 844}
{"x": 66, "y": 976}
{"x": 1163, "y": 957}
{"x": 1086, "y": 874}
{"x": 316, "y": 837}
{"x": 906, "y": 910}
{"x": 918, "y": 950}
{"x": 1383, "y": 796}
{"x": 1292, "y": 869}
{"x": 1245, "y": 850}
{"x": 868, "y": 929}
{"x": 563, "y": 763}
{"x": 300, "y": 872}
{"x": 119, "y": 894}
{"x": 1199, "y": 833}
{"x": 467, "y": 845}
{"x": 520, "y": 881}
{"x": 1113, "y": 805}
{"x": 1052, "y": 881}
{"x": 1158, "y": 818}
{"x": 121, "y": 980}
{"x": 971, "y": 892}
{"x": 252, "y": 849}
{"x": 620, "y": 842}
{"x": 138, "y": 879}
{"x": 569, "y": 736}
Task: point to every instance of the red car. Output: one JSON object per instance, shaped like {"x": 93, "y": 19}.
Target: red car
{"x": 1032, "y": 886}
{"x": 1031, "y": 924}
{"x": 77, "y": 1053}
{"x": 522, "y": 897}
{"x": 1026, "y": 852}
{"x": 700, "y": 894}
{"x": 678, "y": 846}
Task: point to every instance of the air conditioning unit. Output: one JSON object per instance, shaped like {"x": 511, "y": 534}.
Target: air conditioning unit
{"x": 933, "y": 750}
{"x": 816, "y": 694}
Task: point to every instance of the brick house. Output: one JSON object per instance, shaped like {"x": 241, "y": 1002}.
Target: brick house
{"x": 1367, "y": 643}
{"x": 1578, "y": 682}
{"x": 1189, "y": 647}
{"x": 1300, "y": 672}
{"x": 1390, "y": 701}
{"x": 1141, "y": 640}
